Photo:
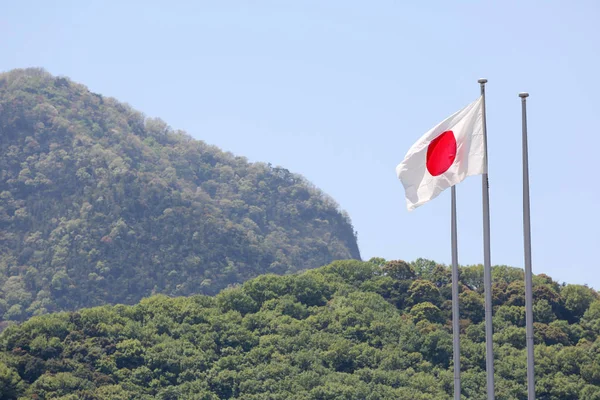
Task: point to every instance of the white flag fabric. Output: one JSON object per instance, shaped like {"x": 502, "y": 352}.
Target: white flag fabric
{"x": 444, "y": 156}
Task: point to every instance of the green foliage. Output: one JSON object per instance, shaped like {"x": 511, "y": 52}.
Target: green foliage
{"x": 424, "y": 291}
{"x": 335, "y": 332}
{"x": 100, "y": 204}
{"x": 11, "y": 385}
{"x": 577, "y": 299}
{"x": 542, "y": 312}
{"x": 591, "y": 318}
{"x": 471, "y": 306}
{"x": 424, "y": 268}
{"x": 426, "y": 311}
{"x": 399, "y": 270}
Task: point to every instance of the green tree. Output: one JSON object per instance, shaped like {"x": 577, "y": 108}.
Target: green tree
{"x": 11, "y": 386}
{"x": 426, "y": 311}
{"x": 542, "y": 311}
{"x": 424, "y": 291}
{"x": 424, "y": 267}
{"x": 471, "y": 306}
{"x": 591, "y": 317}
{"x": 577, "y": 299}
{"x": 399, "y": 270}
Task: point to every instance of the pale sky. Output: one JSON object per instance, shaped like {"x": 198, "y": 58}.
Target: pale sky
{"x": 339, "y": 90}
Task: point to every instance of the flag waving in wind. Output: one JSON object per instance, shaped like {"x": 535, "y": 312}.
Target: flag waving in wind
{"x": 444, "y": 156}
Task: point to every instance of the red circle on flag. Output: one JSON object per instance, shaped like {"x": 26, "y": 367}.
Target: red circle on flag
{"x": 441, "y": 153}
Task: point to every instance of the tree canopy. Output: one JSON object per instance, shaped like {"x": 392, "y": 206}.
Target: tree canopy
{"x": 350, "y": 330}
{"x": 101, "y": 204}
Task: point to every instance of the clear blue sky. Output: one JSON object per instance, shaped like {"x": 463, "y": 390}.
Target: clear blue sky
{"x": 339, "y": 90}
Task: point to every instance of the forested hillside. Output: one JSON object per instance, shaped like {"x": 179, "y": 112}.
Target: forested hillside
{"x": 99, "y": 204}
{"x": 349, "y": 331}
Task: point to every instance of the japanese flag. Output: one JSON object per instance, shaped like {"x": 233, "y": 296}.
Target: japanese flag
{"x": 444, "y": 156}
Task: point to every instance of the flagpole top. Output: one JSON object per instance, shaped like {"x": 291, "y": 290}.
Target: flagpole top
{"x": 523, "y": 95}
{"x": 482, "y": 80}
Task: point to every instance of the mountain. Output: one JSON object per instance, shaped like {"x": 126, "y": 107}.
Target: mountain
{"x": 100, "y": 204}
{"x": 349, "y": 331}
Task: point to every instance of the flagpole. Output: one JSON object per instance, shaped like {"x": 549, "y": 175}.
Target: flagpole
{"x": 487, "y": 267}
{"x": 527, "y": 240}
{"x": 455, "y": 309}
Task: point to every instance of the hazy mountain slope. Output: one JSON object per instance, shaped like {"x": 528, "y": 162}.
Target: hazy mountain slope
{"x": 99, "y": 204}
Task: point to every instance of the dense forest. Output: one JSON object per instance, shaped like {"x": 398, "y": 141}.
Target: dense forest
{"x": 351, "y": 330}
{"x": 100, "y": 204}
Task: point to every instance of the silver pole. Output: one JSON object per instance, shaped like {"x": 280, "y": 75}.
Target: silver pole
{"x": 527, "y": 240}
{"x": 455, "y": 309}
{"x": 487, "y": 263}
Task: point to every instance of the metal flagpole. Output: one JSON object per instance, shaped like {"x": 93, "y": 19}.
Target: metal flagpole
{"x": 455, "y": 310}
{"x": 527, "y": 240}
{"x": 487, "y": 267}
